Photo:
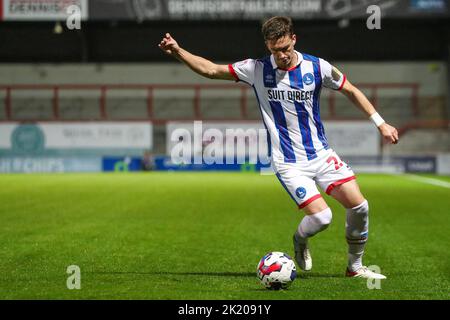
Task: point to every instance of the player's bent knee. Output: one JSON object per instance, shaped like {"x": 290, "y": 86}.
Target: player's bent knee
{"x": 362, "y": 208}
{"x": 322, "y": 218}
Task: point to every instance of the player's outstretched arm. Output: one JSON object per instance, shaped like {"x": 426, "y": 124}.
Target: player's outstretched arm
{"x": 358, "y": 98}
{"x": 198, "y": 64}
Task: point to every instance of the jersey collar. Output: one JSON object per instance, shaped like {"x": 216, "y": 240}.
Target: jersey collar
{"x": 299, "y": 60}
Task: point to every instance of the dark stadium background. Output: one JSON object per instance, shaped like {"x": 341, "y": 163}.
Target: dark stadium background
{"x": 198, "y": 235}
{"x": 130, "y": 41}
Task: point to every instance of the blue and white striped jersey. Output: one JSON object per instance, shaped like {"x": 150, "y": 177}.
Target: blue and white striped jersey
{"x": 289, "y": 102}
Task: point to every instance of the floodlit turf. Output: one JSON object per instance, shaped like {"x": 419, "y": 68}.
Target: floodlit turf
{"x": 201, "y": 235}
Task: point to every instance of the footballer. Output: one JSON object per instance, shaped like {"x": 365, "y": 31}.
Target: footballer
{"x": 287, "y": 85}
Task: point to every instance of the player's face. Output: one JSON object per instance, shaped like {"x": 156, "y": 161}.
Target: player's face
{"x": 283, "y": 51}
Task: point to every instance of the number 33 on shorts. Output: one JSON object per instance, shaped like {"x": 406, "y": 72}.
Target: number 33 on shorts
{"x": 337, "y": 172}
{"x": 337, "y": 162}
{"x": 326, "y": 171}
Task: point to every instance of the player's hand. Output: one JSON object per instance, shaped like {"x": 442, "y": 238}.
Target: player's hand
{"x": 389, "y": 133}
{"x": 169, "y": 45}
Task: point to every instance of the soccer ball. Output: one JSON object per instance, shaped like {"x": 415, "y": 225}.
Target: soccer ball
{"x": 276, "y": 271}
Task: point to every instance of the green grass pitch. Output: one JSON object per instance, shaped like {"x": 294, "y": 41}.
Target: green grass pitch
{"x": 200, "y": 236}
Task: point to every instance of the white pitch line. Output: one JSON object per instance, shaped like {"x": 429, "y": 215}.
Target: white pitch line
{"x": 432, "y": 181}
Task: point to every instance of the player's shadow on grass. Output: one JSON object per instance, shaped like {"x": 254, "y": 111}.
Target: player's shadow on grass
{"x": 311, "y": 275}
{"x": 166, "y": 273}
{"x": 302, "y": 275}
{"x": 215, "y": 274}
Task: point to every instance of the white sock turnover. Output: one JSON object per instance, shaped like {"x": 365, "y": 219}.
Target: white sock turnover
{"x": 357, "y": 231}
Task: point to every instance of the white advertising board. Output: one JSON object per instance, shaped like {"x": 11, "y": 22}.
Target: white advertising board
{"x": 76, "y": 135}
{"x": 347, "y": 138}
{"x": 353, "y": 138}
{"x": 237, "y": 139}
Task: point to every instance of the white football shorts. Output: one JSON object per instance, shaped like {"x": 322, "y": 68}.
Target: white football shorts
{"x": 301, "y": 179}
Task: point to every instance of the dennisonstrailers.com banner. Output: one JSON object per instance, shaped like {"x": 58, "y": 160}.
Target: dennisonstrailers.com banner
{"x": 258, "y": 9}
{"x": 140, "y": 10}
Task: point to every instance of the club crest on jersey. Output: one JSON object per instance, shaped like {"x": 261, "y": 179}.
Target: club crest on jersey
{"x": 300, "y": 192}
{"x": 308, "y": 79}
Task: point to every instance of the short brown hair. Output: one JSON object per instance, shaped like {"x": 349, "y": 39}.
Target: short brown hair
{"x": 277, "y": 27}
